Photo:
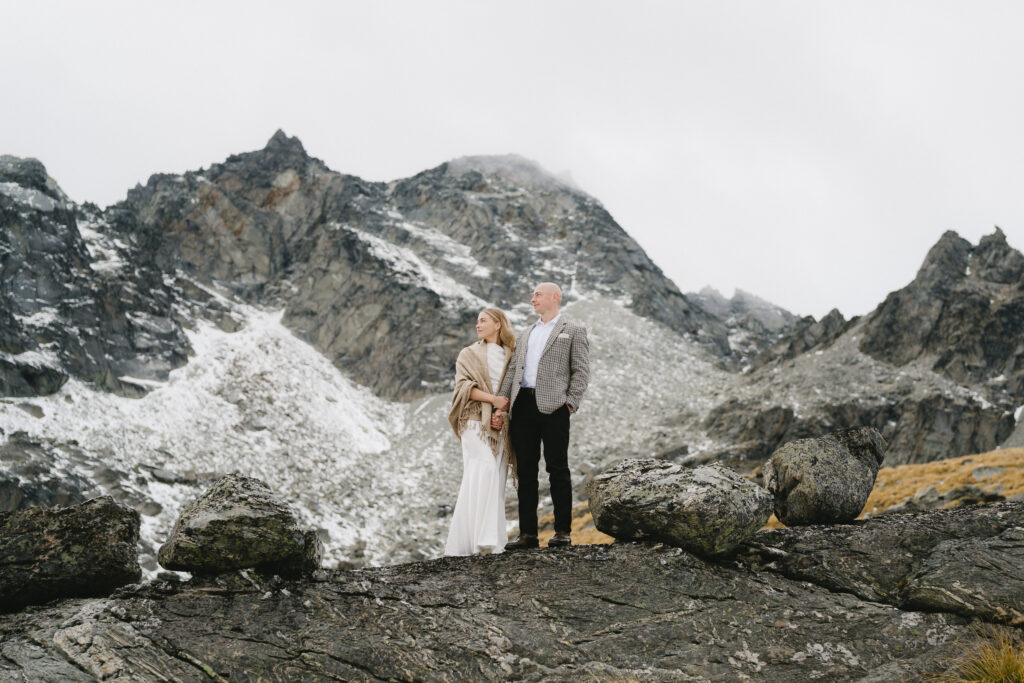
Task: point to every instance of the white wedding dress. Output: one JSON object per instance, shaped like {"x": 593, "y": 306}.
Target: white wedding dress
{"x": 478, "y": 523}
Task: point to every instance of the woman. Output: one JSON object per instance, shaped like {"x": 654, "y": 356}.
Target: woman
{"x": 478, "y": 523}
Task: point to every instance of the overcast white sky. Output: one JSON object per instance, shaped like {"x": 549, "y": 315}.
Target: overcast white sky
{"x": 808, "y": 152}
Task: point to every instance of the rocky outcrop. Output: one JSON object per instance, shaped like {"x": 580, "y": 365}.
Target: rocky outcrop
{"x": 82, "y": 550}
{"x": 964, "y": 312}
{"x": 367, "y": 271}
{"x": 967, "y": 561}
{"x": 803, "y": 603}
{"x": 752, "y": 323}
{"x": 30, "y": 476}
{"x": 237, "y": 524}
{"x": 39, "y": 472}
{"x": 934, "y": 368}
{"x": 824, "y": 480}
{"x": 806, "y": 334}
{"x": 922, "y": 415}
{"x": 65, "y": 313}
{"x": 708, "y": 510}
{"x": 930, "y": 498}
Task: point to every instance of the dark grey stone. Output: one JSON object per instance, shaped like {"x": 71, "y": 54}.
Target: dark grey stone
{"x": 824, "y": 480}
{"x": 82, "y": 550}
{"x": 967, "y": 561}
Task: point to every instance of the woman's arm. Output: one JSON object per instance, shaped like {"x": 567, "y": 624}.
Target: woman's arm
{"x": 499, "y": 402}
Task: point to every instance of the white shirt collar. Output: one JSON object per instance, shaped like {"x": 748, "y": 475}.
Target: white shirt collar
{"x": 548, "y": 323}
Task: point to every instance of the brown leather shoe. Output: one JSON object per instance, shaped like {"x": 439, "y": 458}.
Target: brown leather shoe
{"x": 561, "y": 538}
{"x": 523, "y": 542}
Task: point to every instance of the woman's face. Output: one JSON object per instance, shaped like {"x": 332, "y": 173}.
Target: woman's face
{"x": 486, "y": 327}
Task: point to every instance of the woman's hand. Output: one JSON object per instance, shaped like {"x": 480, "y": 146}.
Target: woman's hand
{"x": 497, "y": 420}
{"x": 500, "y": 402}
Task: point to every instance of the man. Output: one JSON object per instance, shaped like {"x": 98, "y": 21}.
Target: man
{"x": 545, "y": 382}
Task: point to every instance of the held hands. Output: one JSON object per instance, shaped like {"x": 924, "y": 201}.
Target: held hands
{"x": 500, "y": 402}
{"x": 497, "y": 420}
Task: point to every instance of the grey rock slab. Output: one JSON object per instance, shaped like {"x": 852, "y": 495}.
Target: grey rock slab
{"x": 708, "y": 510}
{"x": 929, "y": 498}
{"x": 239, "y": 523}
{"x": 633, "y": 611}
{"x": 826, "y": 479}
{"x": 979, "y": 577}
{"x": 81, "y": 550}
{"x": 968, "y": 560}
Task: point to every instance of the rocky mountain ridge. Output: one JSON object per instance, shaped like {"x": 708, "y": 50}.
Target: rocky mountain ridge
{"x": 936, "y": 368}
{"x": 356, "y": 263}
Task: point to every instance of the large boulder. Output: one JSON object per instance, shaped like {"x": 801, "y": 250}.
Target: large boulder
{"x": 827, "y": 479}
{"x": 239, "y": 523}
{"x": 79, "y": 551}
{"x": 708, "y": 510}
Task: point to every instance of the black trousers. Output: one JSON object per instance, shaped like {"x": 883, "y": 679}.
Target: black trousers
{"x": 528, "y": 429}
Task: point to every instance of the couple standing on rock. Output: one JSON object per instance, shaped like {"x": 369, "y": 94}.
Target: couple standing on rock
{"x": 512, "y": 395}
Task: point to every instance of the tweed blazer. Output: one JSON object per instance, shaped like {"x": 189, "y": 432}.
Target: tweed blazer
{"x": 563, "y": 372}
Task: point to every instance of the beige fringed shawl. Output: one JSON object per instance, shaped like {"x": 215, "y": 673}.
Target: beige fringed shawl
{"x": 470, "y": 372}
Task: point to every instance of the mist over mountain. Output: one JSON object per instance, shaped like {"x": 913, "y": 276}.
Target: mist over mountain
{"x": 273, "y": 316}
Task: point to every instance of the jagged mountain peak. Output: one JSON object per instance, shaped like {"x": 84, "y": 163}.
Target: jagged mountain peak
{"x": 281, "y": 151}
{"x": 965, "y": 308}
{"x": 996, "y": 261}
{"x": 946, "y": 261}
{"x": 281, "y": 143}
{"x": 24, "y": 179}
{"x": 954, "y": 258}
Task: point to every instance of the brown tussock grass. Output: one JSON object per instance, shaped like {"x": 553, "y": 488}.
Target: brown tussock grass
{"x": 992, "y": 654}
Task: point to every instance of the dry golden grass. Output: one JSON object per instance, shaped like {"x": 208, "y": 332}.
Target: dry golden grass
{"x": 895, "y": 485}
{"x": 583, "y": 531}
{"x": 992, "y": 655}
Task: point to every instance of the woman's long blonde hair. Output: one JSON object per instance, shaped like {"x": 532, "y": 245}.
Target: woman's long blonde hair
{"x": 505, "y": 336}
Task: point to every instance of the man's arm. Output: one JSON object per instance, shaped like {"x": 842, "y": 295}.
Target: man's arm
{"x": 506, "y": 387}
{"x": 506, "y": 382}
{"x": 579, "y": 369}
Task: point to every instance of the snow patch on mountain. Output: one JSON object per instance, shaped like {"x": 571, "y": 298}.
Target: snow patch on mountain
{"x": 105, "y": 251}
{"x": 32, "y": 198}
{"x": 455, "y": 253}
{"x": 258, "y": 401}
{"x": 410, "y": 268}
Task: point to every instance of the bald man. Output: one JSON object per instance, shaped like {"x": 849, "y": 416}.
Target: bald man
{"x": 545, "y": 382}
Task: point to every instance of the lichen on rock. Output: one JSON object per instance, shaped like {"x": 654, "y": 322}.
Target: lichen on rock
{"x": 709, "y": 510}
{"x": 239, "y": 523}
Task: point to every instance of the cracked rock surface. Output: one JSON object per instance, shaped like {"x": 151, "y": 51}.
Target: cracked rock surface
{"x": 967, "y": 561}
{"x": 802, "y": 603}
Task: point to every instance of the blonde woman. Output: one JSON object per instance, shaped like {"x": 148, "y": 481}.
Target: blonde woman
{"x": 478, "y": 523}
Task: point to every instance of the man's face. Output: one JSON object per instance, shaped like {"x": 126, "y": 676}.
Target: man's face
{"x": 543, "y": 300}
